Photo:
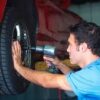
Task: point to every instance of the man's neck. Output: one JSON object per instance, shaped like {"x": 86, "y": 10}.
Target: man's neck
{"x": 88, "y": 60}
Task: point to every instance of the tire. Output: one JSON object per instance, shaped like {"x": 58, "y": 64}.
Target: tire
{"x": 13, "y": 28}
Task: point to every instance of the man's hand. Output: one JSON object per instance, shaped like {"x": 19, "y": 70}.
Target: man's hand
{"x": 50, "y": 60}
{"x": 16, "y": 55}
{"x": 58, "y": 64}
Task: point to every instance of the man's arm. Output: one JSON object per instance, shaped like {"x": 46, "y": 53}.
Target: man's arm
{"x": 41, "y": 78}
{"x": 44, "y": 79}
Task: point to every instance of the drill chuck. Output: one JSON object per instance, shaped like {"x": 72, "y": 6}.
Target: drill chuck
{"x": 45, "y": 50}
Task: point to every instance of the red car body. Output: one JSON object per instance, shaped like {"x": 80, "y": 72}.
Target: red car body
{"x": 54, "y": 22}
{"x": 2, "y": 8}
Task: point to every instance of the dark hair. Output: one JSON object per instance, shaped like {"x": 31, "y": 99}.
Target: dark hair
{"x": 89, "y": 33}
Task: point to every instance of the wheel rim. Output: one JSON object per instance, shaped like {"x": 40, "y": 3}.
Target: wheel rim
{"x": 20, "y": 33}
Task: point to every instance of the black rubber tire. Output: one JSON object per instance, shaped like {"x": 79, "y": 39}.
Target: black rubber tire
{"x": 10, "y": 81}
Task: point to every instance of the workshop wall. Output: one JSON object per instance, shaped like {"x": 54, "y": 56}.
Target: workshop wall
{"x": 88, "y": 11}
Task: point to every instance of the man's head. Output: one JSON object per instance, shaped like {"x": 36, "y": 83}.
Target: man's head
{"x": 83, "y": 36}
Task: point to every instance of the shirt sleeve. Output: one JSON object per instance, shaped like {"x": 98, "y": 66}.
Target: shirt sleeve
{"x": 81, "y": 81}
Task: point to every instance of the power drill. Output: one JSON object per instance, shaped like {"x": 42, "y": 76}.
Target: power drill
{"x": 50, "y": 51}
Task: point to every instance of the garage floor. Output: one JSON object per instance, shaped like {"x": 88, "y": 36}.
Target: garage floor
{"x": 35, "y": 92}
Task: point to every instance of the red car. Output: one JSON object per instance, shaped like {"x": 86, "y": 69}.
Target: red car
{"x": 31, "y": 22}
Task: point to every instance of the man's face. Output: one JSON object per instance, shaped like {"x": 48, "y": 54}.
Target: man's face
{"x": 73, "y": 50}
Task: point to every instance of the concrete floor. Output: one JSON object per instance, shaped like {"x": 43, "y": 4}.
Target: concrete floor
{"x": 35, "y": 92}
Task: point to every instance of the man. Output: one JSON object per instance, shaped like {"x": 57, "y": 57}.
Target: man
{"x": 84, "y": 50}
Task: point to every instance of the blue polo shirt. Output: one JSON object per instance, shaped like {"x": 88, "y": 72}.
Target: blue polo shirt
{"x": 86, "y": 82}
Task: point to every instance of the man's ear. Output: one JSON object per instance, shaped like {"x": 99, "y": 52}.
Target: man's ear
{"x": 83, "y": 47}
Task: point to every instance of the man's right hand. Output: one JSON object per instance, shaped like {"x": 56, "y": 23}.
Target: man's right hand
{"x": 58, "y": 64}
{"x": 50, "y": 60}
